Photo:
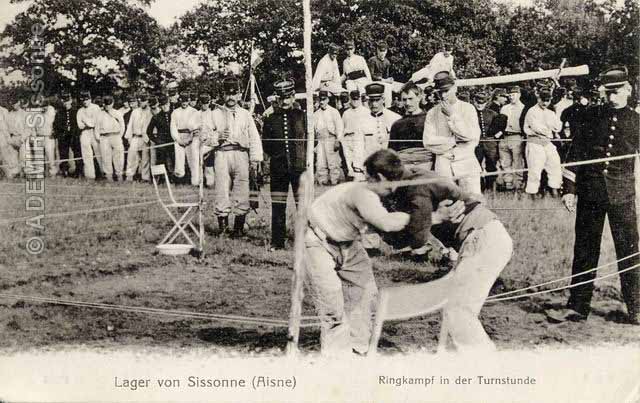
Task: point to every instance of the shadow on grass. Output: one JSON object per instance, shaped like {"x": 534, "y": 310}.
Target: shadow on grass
{"x": 258, "y": 340}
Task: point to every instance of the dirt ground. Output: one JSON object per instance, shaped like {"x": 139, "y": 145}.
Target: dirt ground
{"x": 110, "y": 258}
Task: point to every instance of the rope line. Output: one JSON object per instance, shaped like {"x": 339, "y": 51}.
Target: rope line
{"x": 566, "y": 287}
{"x": 157, "y": 311}
{"x": 562, "y": 278}
{"x": 95, "y": 157}
{"x": 254, "y": 320}
{"x": 71, "y": 213}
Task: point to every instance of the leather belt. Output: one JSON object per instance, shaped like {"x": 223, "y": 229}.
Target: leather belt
{"x": 512, "y": 134}
{"x": 324, "y": 237}
{"x": 231, "y": 147}
{"x": 354, "y": 75}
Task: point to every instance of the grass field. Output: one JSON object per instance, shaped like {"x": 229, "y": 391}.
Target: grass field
{"x": 110, "y": 257}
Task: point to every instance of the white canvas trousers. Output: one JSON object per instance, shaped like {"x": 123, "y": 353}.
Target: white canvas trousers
{"x": 483, "y": 255}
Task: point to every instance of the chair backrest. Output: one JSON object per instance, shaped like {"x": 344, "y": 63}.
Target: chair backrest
{"x": 158, "y": 170}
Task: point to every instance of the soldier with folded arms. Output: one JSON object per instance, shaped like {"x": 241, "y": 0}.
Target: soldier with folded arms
{"x": 185, "y": 131}
{"x": 110, "y": 127}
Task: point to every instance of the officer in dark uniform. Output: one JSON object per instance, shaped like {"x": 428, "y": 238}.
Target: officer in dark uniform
{"x": 288, "y": 158}
{"x": 499, "y": 99}
{"x": 65, "y": 130}
{"x": 491, "y": 123}
{"x": 605, "y": 189}
{"x": 159, "y": 132}
{"x": 571, "y": 117}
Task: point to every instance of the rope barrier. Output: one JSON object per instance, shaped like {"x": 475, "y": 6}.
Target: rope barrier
{"x": 45, "y": 162}
{"x": 71, "y": 213}
{"x": 566, "y": 287}
{"x": 95, "y": 157}
{"x": 562, "y": 278}
{"x": 415, "y": 182}
{"x": 156, "y": 311}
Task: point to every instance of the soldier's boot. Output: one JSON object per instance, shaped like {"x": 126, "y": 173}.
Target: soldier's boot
{"x": 554, "y": 193}
{"x": 238, "y": 226}
{"x": 223, "y": 225}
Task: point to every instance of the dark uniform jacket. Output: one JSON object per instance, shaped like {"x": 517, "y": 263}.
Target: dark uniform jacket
{"x": 286, "y": 124}
{"x": 379, "y": 68}
{"x": 606, "y": 132}
{"x": 490, "y": 123}
{"x": 419, "y": 201}
{"x": 65, "y": 123}
{"x": 409, "y": 127}
{"x": 162, "y": 123}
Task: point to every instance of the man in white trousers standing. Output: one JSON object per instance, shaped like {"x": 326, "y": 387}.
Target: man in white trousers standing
{"x": 328, "y": 128}
{"x": 89, "y": 141}
{"x": 185, "y": 130}
{"x": 110, "y": 127}
{"x": 138, "y": 154}
{"x": 541, "y": 125}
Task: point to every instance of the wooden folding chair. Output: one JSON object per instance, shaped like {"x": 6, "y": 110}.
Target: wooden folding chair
{"x": 189, "y": 211}
{"x": 410, "y": 301}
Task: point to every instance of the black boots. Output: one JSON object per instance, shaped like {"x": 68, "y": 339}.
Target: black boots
{"x": 238, "y": 226}
{"x": 223, "y": 225}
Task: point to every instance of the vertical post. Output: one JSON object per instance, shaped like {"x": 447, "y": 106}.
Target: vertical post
{"x": 306, "y": 196}
{"x": 309, "y": 87}
{"x": 201, "y": 202}
{"x": 297, "y": 281}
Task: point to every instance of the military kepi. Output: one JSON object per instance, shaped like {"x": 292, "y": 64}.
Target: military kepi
{"x": 374, "y": 90}
{"x": 284, "y": 88}
{"x": 614, "y": 77}
{"x": 231, "y": 85}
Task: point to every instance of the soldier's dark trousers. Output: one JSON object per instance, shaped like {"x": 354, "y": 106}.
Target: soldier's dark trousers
{"x": 488, "y": 152}
{"x": 588, "y": 229}
{"x": 66, "y": 143}
{"x": 280, "y": 180}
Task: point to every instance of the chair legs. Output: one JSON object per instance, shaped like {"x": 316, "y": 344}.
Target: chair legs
{"x": 180, "y": 226}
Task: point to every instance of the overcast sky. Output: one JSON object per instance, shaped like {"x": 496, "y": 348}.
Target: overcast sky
{"x": 165, "y": 11}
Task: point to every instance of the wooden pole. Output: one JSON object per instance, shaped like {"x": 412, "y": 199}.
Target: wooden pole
{"x": 309, "y": 87}
{"x": 306, "y": 196}
{"x": 297, "y": 281}
{"x": 201, "y": 203}
{"x": 534, "y": 75}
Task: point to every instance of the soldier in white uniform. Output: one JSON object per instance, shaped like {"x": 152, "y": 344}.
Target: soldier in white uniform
{"x": 328, "y": 128}
{"x": 8, "y": 154}
{"x": 510, "y": 147}
{"x": 353, "y": 139}
{"x": 355, "y": 70}
{"x": 339, "y": 269}
{"x": 207, "y": 138}
{"x": 377, "y": 124}
{"x": 441, "y": 61}
{"x": 238, "y": 146}
{"x": 185, "y": 131}
{"x": 89, "y": 140}
{"x": 40, "y": 142}
{"x": 18, "y": 134}
{"x": 40, "y": 125}
{"x": 138, "y": 156}
{"x": 110, "y": 127}
{"x": 327, "y": 75}
{"x": 452, "y": 132}
{"x": 541, "y": 124}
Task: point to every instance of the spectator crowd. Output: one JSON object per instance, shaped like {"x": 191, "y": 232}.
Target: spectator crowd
{"x": 429, "y": 121}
